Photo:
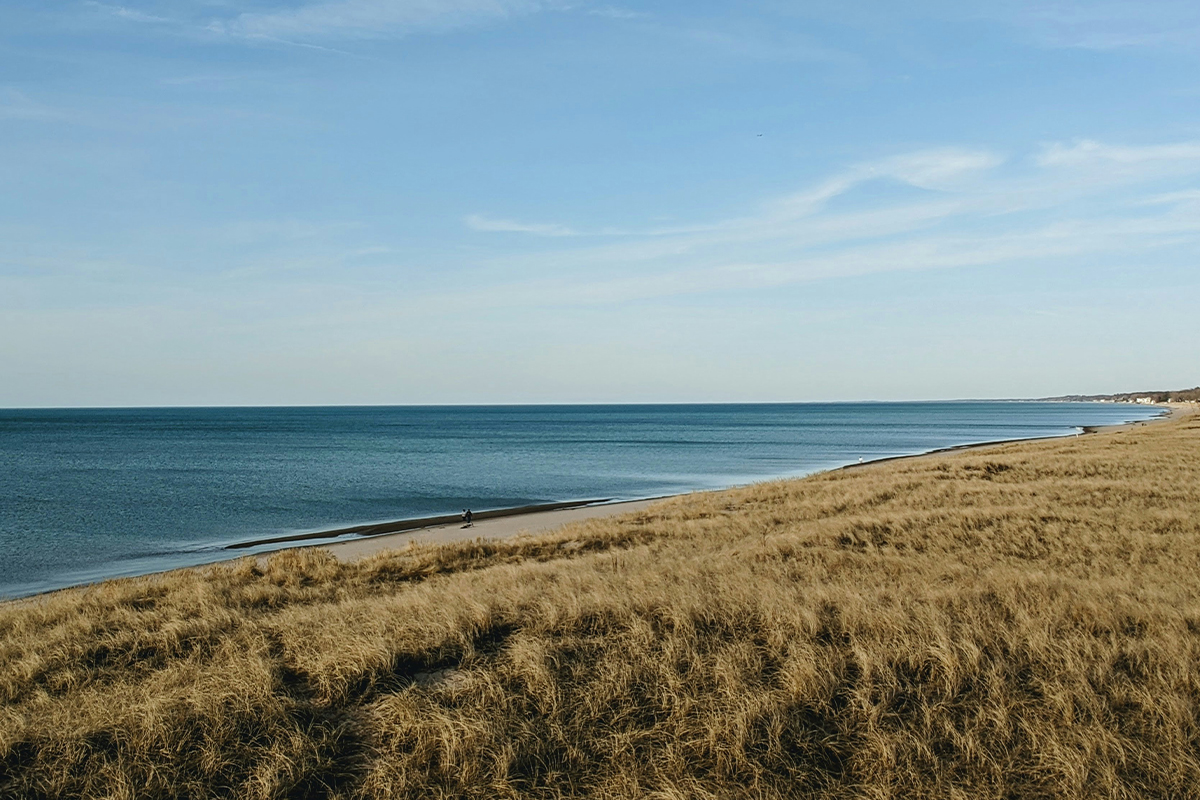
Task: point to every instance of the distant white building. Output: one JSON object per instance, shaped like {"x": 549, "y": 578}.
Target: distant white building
{"x": 1146, "y": 401}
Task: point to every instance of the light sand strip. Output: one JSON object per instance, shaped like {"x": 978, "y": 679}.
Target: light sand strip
{"x": 498, "y": 528}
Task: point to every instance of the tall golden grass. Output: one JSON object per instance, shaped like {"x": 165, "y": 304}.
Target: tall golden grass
{"x": 1016, "y": 622}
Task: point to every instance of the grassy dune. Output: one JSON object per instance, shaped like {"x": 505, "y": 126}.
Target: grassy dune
{"x": 1016, "y": 622}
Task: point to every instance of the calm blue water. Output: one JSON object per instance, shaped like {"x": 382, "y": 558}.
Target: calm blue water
{"x": 91, "y": 494}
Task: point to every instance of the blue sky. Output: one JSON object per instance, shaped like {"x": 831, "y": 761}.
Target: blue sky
{"x": 429, "y": 201}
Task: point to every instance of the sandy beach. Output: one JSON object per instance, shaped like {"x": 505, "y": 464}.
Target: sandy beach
{"x": 496, "y": 528}
{"x": 1174, "y": 411}
{"x": 538, "y": 522}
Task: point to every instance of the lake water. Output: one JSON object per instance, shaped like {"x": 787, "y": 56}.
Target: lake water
{"x": 92, "y": 494}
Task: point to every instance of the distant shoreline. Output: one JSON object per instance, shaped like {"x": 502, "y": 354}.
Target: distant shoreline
{"x": 1170, "y": 412}
{"x": 539, "y": 519}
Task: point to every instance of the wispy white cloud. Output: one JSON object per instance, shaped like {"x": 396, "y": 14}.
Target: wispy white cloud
{"x": 1086, "y": 152}
{"x": 481, "y": 223}
{"x": 616, "y": 12}
{"x": 311, "y": 24}
{"x": 222, "y": 29}
{"x": 974, "y": 208}
{"x": 285, "y": 230}
{"x": 975, "y": 214}
{"x": 942, "y": 170}
{"x": 215, "y": 78}
{"x": 931, "y": 251}
{"x": 373, "y": 18}
{"x": 1108, "y": 24}
{"x": 1171, "y": 198}
{"x": 124, "y": 12}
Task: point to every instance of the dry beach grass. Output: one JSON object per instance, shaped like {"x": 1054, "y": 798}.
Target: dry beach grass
{"x": 1019, "y": 621}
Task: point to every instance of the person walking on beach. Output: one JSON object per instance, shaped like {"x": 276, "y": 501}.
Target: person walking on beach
{"x": 466, "y": 515}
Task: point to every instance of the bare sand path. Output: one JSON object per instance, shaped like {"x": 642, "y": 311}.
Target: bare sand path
{"x": 499, "y": 528}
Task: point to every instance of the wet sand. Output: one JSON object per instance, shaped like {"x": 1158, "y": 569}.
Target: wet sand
{"x": 495, "y": 528}
{"x": 414, "y": 523}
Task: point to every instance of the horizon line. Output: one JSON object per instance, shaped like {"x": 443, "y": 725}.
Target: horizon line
{"x": 164, "y": 407}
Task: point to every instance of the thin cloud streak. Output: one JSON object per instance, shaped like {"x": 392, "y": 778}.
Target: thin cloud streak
{"x": 1104, "y": 26}
{"x": 936, "y": 170}
{"x": 368, "y": 19}
{"x": 1074, "y": 240}
{"x": 131, "y": 14}
{"x": 616, "y": 12}
{"x": 1086, "y": 152}
{"x": 937, "y": 232}
{"x": 985, "y": 220}
{"x": 306, "y": 25}
{"x": 477, "y": 222}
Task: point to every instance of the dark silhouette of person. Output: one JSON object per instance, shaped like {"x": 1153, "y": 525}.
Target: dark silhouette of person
{"x": 466, "y": 515}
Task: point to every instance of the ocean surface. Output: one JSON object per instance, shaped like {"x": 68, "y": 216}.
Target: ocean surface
{"x": 93, "y": 494}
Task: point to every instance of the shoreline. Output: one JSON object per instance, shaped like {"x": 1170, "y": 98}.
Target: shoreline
{"x": 414, "y": 523}
{"x": 536, "y": 518}
{"x": 498, "y": 526}
{"x": 545, "y": 521}
{"x": 1170, "y": 413}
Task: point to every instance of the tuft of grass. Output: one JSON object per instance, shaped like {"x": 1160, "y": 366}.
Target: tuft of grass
{"x": 1021, "y": 621}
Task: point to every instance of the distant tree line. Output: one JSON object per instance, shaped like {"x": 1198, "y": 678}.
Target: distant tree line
{"x": 1170, "y": 396}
